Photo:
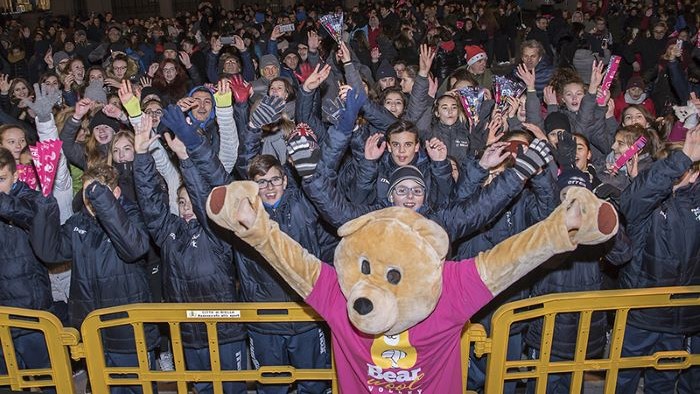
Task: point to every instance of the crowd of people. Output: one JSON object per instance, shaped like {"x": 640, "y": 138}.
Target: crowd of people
{"x": 154, "y": 112}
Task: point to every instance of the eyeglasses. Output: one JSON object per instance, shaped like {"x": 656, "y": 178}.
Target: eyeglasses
{"x": 157, "y": 112}
{"x": 122, "y": 68}
{"x": 403, "y": 191}
{"x": 274, "y": 181}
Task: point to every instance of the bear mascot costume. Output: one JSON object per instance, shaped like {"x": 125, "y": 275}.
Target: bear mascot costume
{"x": 395, "y": 307}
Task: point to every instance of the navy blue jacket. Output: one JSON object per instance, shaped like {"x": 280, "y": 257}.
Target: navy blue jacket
{"x": 460, "y": 218}
{"x": 532, "y": 205}
{"x": 664, "y": 227}
{"x": 108, "y": 253}
{"x": 197, "y": 265}
{"x": 579, "y": 270}
{"x": 297, "y": 218}
{"x": 24, "y": 281}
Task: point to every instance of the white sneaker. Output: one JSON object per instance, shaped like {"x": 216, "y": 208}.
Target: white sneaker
{"x": 166, "y": 361}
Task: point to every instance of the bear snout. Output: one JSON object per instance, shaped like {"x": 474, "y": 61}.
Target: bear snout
{"x": 363, "y": 306}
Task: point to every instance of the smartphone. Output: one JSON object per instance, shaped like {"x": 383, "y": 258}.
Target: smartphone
{"x": 513, "y": 146}
{"x": 287, "y": 28}
{"x": 679, "y": 44}
{"x": 226, "y": 40}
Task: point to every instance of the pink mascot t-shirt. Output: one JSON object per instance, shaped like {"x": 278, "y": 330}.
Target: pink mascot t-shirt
{"x": 424, "y": 359}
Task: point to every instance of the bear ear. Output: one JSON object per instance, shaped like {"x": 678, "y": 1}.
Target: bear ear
{"x": 426, "y": 229}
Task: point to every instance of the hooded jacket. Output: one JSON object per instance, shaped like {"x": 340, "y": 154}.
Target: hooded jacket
{"x": 24, "y": 280}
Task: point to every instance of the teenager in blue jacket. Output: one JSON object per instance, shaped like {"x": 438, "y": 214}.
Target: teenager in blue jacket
{"x": 107, "y": 242}
{"x": 197, "y": 265}
{"x": 662, "y": 209}
{"x": 24, "y": 280}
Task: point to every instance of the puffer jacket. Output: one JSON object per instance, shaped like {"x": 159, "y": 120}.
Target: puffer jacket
{"x": 297, "y": 218}
{"x": 108, "y": 253}
{"x": 664, "y": 226}
{"x": 532, "y": 205}
{"x": 579, "y": 270}
{"x": 372, "y": 178}
{"x": 197, "y": 265}
{"x": 260, "y": 282}
{"x": 25, "y": 280}
{"x": 461, "y": 218}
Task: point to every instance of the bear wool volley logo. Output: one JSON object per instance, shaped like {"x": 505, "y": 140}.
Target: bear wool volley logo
{"x": 394, "y": 358}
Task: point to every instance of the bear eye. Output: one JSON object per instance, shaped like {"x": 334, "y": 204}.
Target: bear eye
{"x": 365, "y": 267}
{"x": 393, "y": 276}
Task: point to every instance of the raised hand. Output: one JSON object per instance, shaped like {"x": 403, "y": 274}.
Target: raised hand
{"x": 528, "y": 76}
{"x": 223, "y": 93}
{"x": 142, "y": 136}
{"x": 184, "y": 129}
{"x": 494, "y": 155}
{"x": 145, "y": 81}
{"x": 113, "y": 112}
{"x": 528, "y": 163}
{"x": 354, "y": 101}
{"x": 43, "y": 104}
{"x": 4, "y": 84}
{"x": 152, "y": 69}
{"x": 238, "y": 43}
{"x": 550, "y": 96}
{"x": 313, "y": 40}
{"x": 375, "y": 146}
{"x": 436, "y": 149}
{"x": 186, "y": 104}
{"x": 48, "y": 58}
{"x": 426, "y": 57}
{"x": 597, "y": 75}
{"x": 269, "y": 110}
{"x": 316, "y": 78}
{"x": 128, "y": 99}
{"x": 185, "y": 60}
{"x": 82, "y": 107}
{"x": 432, "y": 86}
{"x": 303, "y": 150}
{"x": 344, "y": 52}
{"x": 176, "y": 146}
{"x": 495, "y": 129}
{"x": 240, "y": 88}
{"x": 565, "y": 153}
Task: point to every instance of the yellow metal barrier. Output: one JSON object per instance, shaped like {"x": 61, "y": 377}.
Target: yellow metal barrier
{"x": 58, "y": 340}
{"x": 547, "y": 307}
{"x": 136, "y": 315}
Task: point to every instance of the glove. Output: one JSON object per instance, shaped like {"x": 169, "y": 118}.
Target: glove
{"x": 687, "y": 114}
{"x": 175, "y": 120}
{"x": 95, "y": 91}
{"x": 528, "y": 163}
{"x": 303, "y": 150}
{"x": 133, "y": 107}
{"x": 269, "y": 110}
{"x": 240, "y": 89}
{"x": 565, "y": 154}
{"x": 607, "y": 191}
{"x": 223, "y": 100}
{"x": 43, "y": 104}
{"x": 354, "y": 101}
{"x": 332, "y": 110}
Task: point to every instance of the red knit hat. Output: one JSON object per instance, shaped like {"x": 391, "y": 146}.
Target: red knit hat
{"x": 474, "y": 54}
